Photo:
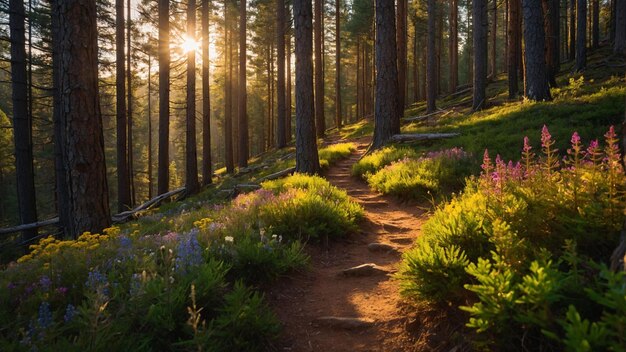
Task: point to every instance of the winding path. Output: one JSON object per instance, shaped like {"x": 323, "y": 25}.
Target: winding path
{"x": 327, "y": 309}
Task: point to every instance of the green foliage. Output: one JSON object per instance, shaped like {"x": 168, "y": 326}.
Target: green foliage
{"x": 331, "y": 154}
{"x": 433, "y": 273}
{"x": 309, "y": 208}
{"x": 381, "y": 158}
{"x": 532, "y": 233}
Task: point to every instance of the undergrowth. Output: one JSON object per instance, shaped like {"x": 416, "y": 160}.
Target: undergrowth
{"x": 522, "y": 250}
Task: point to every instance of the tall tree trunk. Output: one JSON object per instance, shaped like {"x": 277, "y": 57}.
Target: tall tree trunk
{"x": 595, "y": 24}
{"x": 386, "y": 111}
{"x": 359, "y": 79}
{"x": 206, "y": 98}
{"x": 150, "y": 178}
{"x": 416, "y": 88}
{"x": 242, "y": 93}
{"x": 552, "y": 47}
{"x": 228, "y": 93}
{"x": 61, "y": 187}
{"x": 281, "y": 140}
{"x": 619, "y": 47}
{"x": 164, "y": 96}
{"x": 83, "y": 142}
{"x": 288, "y": 94}
{"x": 480, "y": 26}
{"x": 513, "y": 47}
{"x": 123, "y": 187}
{"x": 320, "y": 121}
{"x": 572, "y": 29}
{"x": 535, "y": 64}
{"x": 338, "y": 116}
{"x": 22, "y": 123}
{"x": 191, "y": 154}
{"x": 454, "y": 45}
{"x": 494, "y": 30}
{"x": 401, "y": 56}
{"x": 431, "y": 93}
{"x": 581, "y": 35}
{"x": 307, "y": 160}
{"x": 129, "y": 93}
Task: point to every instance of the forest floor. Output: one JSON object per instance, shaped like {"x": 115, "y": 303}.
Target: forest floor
{"x": 312, "y": 305}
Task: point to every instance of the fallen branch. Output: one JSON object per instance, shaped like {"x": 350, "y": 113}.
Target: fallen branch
{"x": 618, "y": 257}
{"x": 117, "y": 218}
{"x": 34, "y": 225}
{"x": 278, "y": 174}
{"x": 423, "y": 117}
{"x": 125, "y": 215}
{"x": 401, "y": 138}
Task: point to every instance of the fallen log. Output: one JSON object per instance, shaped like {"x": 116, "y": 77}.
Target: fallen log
{"x": 125, "y": 215}
{"x": 117, "y": 218}
{"x": 402, "y": 138}
{"x": 34, "y": 225}
{"x": 278, "y": 174}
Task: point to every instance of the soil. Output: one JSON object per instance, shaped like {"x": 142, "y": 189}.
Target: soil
{"x": 323, "y": 291}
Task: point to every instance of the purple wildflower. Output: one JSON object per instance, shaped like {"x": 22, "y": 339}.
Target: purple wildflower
{"x": 487, "y": 166}
{"x": 575, "y": 139}
{"x": 97, "y": 281}
{"x": 70, "y": 312}
{"x": 62, "y": 290}
{"x": 45, "y": 283}
{"x": 546, "y": 138}
{"x": 44, "y": 318}
{"x": 188, "y": 253}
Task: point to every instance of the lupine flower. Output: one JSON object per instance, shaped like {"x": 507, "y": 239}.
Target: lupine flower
{"x": 97, "y": 281}
{"x": 125, "y": 242}
{"x": 45, "y": 282}
{"x": 70, "y": 312}
{"x": 189, "y": 253}
{"x": 135, "y": 284}
{"x": 44, "y": 319}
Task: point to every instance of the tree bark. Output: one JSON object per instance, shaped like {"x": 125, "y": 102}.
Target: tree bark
{"x": 431, "y": 91}
{"x": 595, "y": 24}
{"x": 150, "y": 179}
{"x": 386, "y": 110}
{"x": 338, "y": 110}
{"x": 416, "y": 87}
{"x": 535, "y": 64}
{"x": 62, "y": 193}
{"x": 206, "y": 98}
{"x": 619, "y": 47}
{"x": 281, "y": 138}
{"x": 288, "y": 94}
{"x": 494, "y": 30}
{"x": 320, "y": 121}
{"x": 572, "y": 30}
{"x": 242, "y": 93}
{"x": 228, "y": 93}
{"x": 480, "y": 25}
{"x": 551, "y": 28}
{"x": 191, "y": 153}
{"x": 164, "y": 96}
{"x": 83, "y": 142}
{"x": 401, "y": 56}
{"x": 129, "y": 106}
{"x": 454, "y": 45}
{"x": 513, "y": 54}
{"x": 22, "y": 120}
{"x": 123, "y": 187}
{"x": 307, "y": 160}
{"x": 581, "y": 35}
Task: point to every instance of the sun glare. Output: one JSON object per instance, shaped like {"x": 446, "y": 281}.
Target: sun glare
{"x": 189, "y": 44}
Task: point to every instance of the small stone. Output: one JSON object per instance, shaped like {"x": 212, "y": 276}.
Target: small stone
{"x": 381, "y": 247}
{"x": 364, "y": 270}
{"x": 345, "y": 322}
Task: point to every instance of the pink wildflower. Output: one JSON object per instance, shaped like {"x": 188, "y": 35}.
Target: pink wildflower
{"x": 546, "y": 138}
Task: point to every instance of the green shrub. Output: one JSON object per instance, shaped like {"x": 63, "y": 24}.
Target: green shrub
{"x": 533, "y": 233}
{"x": 331, "y": 154}
{"x": 380, "y": 158}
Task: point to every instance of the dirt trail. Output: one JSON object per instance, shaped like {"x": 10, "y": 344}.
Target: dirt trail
{"x": 324, "y": 291}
